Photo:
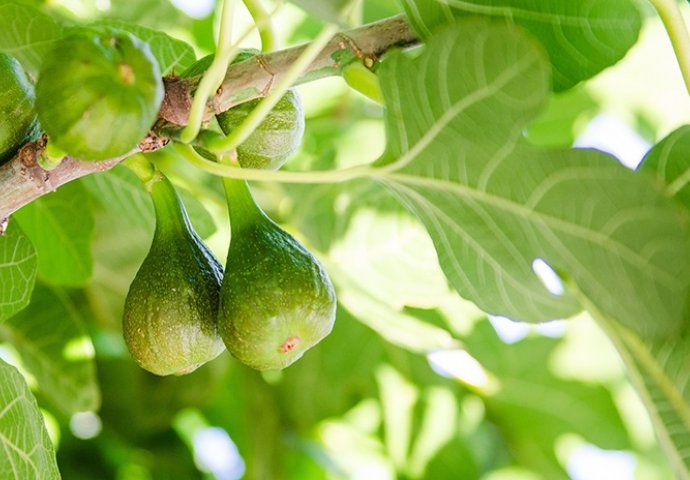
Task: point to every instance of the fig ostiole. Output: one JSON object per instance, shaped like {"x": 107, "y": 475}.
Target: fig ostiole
{"x": 276, "y": 300}
{"x": 170, "y": 317}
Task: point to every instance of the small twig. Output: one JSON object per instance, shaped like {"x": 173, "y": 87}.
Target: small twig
{"x": 262, "y": 19}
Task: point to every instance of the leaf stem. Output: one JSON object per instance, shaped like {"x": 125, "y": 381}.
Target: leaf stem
{"x": 672, "y": 18}
{"x": 213, "y": 77}
{"x": 144, "y": 169}
{"x": 229, "y": 171}
{"x": 262, "y": 19}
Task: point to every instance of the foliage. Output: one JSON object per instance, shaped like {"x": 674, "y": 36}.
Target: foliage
{"x": 434, "y": 215}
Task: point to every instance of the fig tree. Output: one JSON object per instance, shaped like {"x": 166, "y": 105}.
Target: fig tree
{"x": 276, "y": 299}
{"x": 172, "y": 306}
{"x": 18, "y": 122}
{"x": 98, "y": 93}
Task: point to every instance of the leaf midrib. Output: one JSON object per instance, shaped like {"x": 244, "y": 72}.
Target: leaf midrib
{"x": 534, "y": 217}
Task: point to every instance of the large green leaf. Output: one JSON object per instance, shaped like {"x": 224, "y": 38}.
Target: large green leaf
{"x": 581, "y": 37}
{"x": 173, "y": 55}
{"x": 50, "y": 337}
{"x": 60, "y": 226}
{"x": 26, "y": 449}
{"x": 659, "y": 368}
{"x": 18, "y": 267}
{"x": 493, "y": 204}
{"x": 26, "y": 34}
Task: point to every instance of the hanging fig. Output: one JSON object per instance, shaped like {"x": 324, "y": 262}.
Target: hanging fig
{"x": 98, "y": 93}
{"x": 172, "y": 306}
{"x": 276, "y": 299}
{"x": 18, "y": 123}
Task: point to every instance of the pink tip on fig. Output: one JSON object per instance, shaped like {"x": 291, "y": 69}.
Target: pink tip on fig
{"x": 289, "y": 344}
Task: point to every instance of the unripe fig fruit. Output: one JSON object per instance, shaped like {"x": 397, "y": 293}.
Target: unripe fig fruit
{"x": 275, "y": 139}
{"x": 98, "y": 93}
{"x": 276, "y": 299}
{"x": 18, "y": 123}
{"x": 172, "y": 305}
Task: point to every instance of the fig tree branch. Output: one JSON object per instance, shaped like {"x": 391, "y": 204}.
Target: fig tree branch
{"x": 22, "y": 180}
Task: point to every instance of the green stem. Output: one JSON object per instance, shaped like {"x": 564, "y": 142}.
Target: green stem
{"x": 671, "y": 16}
{"x": 242, "y": 208}
{"x": 227, "y": 171}
{"x": 170, "y": 213}
{"x": 51, "y": 158}
{"x": 215, "y": 74}
{"x": 254, "y": 119}
{"x": 144, "y": 169}
{"x": 263, "y": 22}
{"x": 360, "y": 78}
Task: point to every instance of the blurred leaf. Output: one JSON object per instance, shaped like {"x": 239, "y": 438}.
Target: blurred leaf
{"x": 118, "y": 249}
{"x": 454, "y": 460}
{"x": 60, "y": 226}
{"x": 50, "y": 337}
{"x": 155, "y": 14}
{"x": 336, "y": 139}
{"x": 201, "y": 219}
{"x": 390, "y": 322}
{"x": 581, "y": 39}
{"x": 533, "y": 407}
{"x": 173, "y": 55}
{"x": 398, "y": 397}
{"x": 383, "y": 263}
{"x": 389, "y": 255}
{"x": 121, "y": 193}
{"x": 326, "y": 9}
{"x": 150, "y": 402}
{"x": 27, "y": 450}
{"x": 493, "y": 204}
{"x": 26, "y": 34}
{"x": 438, "y": 426}
{"x": 18, "y": 265}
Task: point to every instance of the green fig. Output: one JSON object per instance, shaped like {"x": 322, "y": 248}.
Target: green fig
{"x": 98, "y": 93}
{"x": 18, "y": 123}
{"x": 275, "y": 139}
{"x": 170, "y": 319}
{"x": 276, "y": 300}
